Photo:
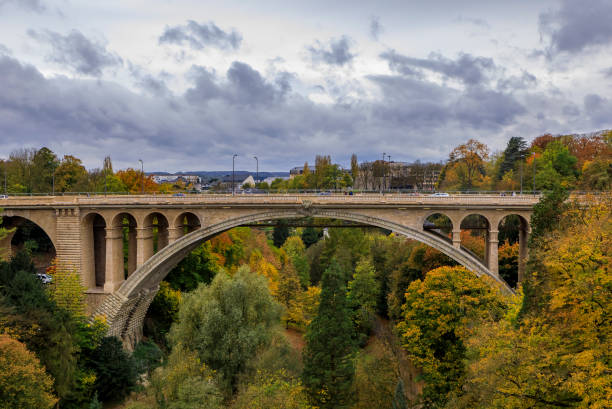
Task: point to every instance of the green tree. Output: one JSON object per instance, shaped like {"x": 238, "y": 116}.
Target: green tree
{"x": 362, "y": 295}
{"x": 514, "y": 152}
{"x": 280, "y": 233}
{"x": 199, "y": 266}
{"x": 23, "y": 381}
{"x": 295, "y": 249}
{"x": 44, "y": 164}
{"x": 328, "y": 355}
{"x": 115, "y": 370}
{"x": 310, "y": 236}
{"x": 226, "y": 322}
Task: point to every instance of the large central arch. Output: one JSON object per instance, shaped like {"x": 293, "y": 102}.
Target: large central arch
{"x": 126, "y": 307}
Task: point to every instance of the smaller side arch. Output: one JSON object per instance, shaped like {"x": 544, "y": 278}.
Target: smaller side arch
{"x": 514, "y": 229}
{"x": 93, "y": 261}
{"x": 183, "y": 224}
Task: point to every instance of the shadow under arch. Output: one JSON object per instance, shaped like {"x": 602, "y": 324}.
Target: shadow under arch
{"x": 27, "y": 233}
{"x": 126, "y": 307}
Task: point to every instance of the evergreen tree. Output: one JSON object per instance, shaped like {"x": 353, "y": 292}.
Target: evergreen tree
{"x": 310, "y": 236}
{"x": 115, "y": 370}
{"x": 280, "y": 233}
{"x": 515, "y": 151}
{"x": 328, "y": 365}
{"x": 399, "y": 400}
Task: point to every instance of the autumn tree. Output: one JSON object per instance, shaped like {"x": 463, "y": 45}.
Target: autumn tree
{"x": 437, "y": 316}
{"x": 563, "y": 341}
{"x": 328, "y": 366}
{"x": 69, "y": 174}
{"x": 24, "y": 383}
{"x": 133, "y": 179}
{"x": 465, "y": 165}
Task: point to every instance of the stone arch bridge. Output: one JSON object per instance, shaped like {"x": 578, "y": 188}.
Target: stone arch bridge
{"x": 88, "y": 234}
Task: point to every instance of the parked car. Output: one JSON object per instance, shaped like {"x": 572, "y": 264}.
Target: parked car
{"x": 45, "y": 278}
{"x": 440, "y": 194}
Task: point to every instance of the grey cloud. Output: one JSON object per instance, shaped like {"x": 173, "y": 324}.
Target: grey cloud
{"x": 375, "y": 27}
{"x": 337, "y": 52}
{"x": 242, "y": 111}
{"x": 466, "y": 68}
{"x": 577, "y": 25}
{"x": 199, "y": 36}
{"x": 607, "y": 72}
{"x": 598, "y": 109}
{"x": 31, "y": 5}
{"x": 525, "y": 81}
{"x": 479, "y": 22}
{"x": 77, "y": 52}
{"x": 4, "y": 50}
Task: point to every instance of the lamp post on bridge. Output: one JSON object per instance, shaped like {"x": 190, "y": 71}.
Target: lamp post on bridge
{"x": 142, "y": 173}
{"x": 390, "y": 174}
{"x": 5, "y": 171}
{"x": 534, "y": 172}
{"x": 383, "y": 173}
{"x": 233, "y": 171}
{"x": 257, "y": 171}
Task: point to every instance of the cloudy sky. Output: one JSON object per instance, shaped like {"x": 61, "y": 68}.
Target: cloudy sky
{"x": 184, "y": 84}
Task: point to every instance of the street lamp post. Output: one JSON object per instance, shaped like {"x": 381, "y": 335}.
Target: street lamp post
{"x": 142, "y": 173}
{"x": 390, "y": 174}
{"x": 383, "y": 173}
{"x": 257, "y": 171}
{"x": 233, "y": 171}
{"x": 534, "y": 172}
{"x": 521, "y": 170}
{"x": 53, "y": 182}
{"x": 5, "y": 171}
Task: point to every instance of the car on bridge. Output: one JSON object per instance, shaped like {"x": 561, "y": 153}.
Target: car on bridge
{"x": 440, "y": 194}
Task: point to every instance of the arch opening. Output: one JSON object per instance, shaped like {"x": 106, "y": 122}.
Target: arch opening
{"x": 158, "y": 225}
{"x": 475, "y": 236}
{"x": 513, "y": 237}
{"x": 136, "y": 293}
{"x": 29, "y": 236}
{"x": 94, "y": 263}
{"x": 125, "y": 224}
{"x": 186, "y": 223}
{"x": 440, "y": 225}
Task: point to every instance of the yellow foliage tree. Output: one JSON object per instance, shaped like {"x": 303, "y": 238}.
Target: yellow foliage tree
{"x": 558, "y": 354}
{"x": 24, "y": 384}
{"x": 66, "y": 288}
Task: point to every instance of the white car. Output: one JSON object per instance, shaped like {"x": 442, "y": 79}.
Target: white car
{"x": 45, "y": 278}
{"x": 440, "y": 194}
{"x": 3, "y": 197}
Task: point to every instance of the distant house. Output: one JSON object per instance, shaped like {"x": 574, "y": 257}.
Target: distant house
{"x": 248, "y": 181}
{"x": 225, "y": 183}
{"x": 296, "y": 171}
{"x": 187, "y": 179}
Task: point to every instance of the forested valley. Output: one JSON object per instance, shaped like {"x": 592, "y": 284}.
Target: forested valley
{"x": 306, "y": 317}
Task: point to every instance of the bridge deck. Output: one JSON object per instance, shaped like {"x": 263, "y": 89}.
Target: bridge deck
{"x": 270, "y": 199}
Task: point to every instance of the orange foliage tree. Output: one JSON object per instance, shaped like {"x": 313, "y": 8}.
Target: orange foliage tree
{"x": 133, "y": 180}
